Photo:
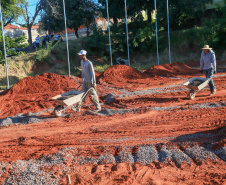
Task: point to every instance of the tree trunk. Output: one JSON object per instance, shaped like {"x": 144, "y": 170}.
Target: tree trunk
{"x": 149, "y": 16}
{"x": 76, "y": 33}
{"x": 29, "y": 36}
{"x": 115, "y": 21}
{"x": 87, "y": 31}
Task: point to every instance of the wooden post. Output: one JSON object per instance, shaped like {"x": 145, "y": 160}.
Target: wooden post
{"x": 68, "y": 179}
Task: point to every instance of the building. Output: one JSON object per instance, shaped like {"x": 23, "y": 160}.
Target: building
{"x": 14, "y": 31}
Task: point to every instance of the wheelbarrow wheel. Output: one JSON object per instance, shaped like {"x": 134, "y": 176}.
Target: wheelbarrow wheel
{"x": 191, "y": 95}
{"x": 59, "y": 111}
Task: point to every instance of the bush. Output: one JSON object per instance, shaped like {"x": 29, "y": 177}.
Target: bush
{"x": 213, "y": 31}
{"x": 97, "y": 44}
{"x": 11, "y": 44}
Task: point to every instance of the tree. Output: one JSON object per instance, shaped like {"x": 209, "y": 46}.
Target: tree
{"x": 11, "y": 10}
{"x": 30, "y": 19}
{"x": 77, "y": 12}
{"x": 183, "y": 13}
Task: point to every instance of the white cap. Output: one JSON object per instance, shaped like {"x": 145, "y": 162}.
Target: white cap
{"x": 82, "y": 52}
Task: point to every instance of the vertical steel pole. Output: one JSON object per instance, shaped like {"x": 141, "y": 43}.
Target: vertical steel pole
{"x": 109, "y": 31}
{"x": 168, "y": 29}
{"x": 48, "y": 21}
{"x": 127, "y": 33}
{"x": 156, "y": 33}
{"x": 3, "y": 38}
{"x": 66, "y": 39}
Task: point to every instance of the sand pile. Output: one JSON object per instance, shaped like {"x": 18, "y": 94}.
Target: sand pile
{"x": 170, "y": 70}
{"x": 32, "y": 94}
{"x": 120, "y": 73}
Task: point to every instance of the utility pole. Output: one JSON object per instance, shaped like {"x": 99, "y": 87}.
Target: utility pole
{"x": 3, "y": 38}
{"x": 48, "y": 21}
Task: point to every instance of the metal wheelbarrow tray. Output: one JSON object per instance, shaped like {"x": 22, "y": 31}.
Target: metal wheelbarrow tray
{"x": 66, "y": 100}
{"x": 196, "y": 87}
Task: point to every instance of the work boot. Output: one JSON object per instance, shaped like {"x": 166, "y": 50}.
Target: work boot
{"x": 98, "y": 109}
{"x": 213, "y": 92}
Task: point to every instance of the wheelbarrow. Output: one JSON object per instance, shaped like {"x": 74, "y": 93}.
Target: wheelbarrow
{"x": 68, "y": 100}
{"x": 195, "y": 85}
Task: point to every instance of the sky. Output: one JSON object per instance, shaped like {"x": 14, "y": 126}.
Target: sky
{"x": 31, "y": 9}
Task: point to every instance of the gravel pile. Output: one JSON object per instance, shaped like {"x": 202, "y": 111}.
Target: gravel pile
{"x": 86, "y": 160}
{"x": 36, "y": 171}
{"x": 221, "y": 153}
{"x": 146, "y": 155}
{"x": 124, "y": 156}
{"x": 179, "y": 157}
{"x": 106, "y": 158}
{"x": 48, "y": 169}
{"x": 29, "y": 172}
{"x": 107, "y": 112}
{"x": 199, "y": 153}
{"x": 24, "y": 118}
{"x": 164, "y": 154}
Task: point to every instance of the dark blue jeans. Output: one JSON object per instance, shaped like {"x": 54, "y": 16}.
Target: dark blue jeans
{"x": 209, "y": 73}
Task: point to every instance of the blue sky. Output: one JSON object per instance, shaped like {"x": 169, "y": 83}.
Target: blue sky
{"x": 31, "y": 9}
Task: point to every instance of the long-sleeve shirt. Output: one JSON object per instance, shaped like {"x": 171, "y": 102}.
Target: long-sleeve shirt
{"x": 88, "y": 74}
{"x": 37, "y": 39}
{"x": 208, "y": 61}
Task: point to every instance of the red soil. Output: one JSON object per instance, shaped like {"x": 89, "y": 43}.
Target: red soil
{"x": 32, "y": 94}
{"x": 97, "y": 74}
{"x": 90, "y": 132}
{"x": 194, "y": 63}
{"x": 170, "y": 70}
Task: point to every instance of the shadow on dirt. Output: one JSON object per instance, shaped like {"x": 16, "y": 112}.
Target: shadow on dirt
{"x": 211, "y": 136}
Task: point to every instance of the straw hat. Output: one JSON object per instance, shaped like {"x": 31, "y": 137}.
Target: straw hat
{"x": 206, "y": 47}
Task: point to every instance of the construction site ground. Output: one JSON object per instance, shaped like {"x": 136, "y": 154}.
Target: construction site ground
{"x": 148, "y": 131}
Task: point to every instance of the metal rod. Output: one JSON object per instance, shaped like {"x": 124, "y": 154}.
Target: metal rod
{"x": 127, "y": 33}
{"x": 3, "y": 38}
{"x": 109, "y": 31}
{"x": 156, "y": 33}
{"x": 168, "y": 29}
{"x": 66, "y": 39}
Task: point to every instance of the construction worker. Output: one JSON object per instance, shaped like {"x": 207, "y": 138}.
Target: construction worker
{"x": 37, "y": 41}
{"x": 208, "y": 64}
{"x": 89, "y": 81}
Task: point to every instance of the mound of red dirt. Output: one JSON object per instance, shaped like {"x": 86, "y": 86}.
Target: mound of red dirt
{"x": 47, "y": 82}
{"x": 97, "y": 74}
{"x": 33, "y": 94}
{"x": 173, "y": 69}
{"x": 193, "y": 63}
{"x": 119, "y": 73}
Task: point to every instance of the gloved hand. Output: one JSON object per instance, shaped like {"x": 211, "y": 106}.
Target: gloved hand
{"x": 214, "y": 72}
{"x": 201, "y": 71}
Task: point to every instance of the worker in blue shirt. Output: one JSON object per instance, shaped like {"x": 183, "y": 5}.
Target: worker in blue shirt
{"x": 208, "y": 65}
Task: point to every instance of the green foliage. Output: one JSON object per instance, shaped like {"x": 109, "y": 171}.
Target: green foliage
{"x": 78, "y": 13}
{"x": 213, "y": 31}
{"x": 97, "y": 44}
{"x": 43, "y": 55}
{"x": 101, "y": 68}
{"x": 11, "y": 43}
{"x": 143, "y": 39}
{"x": 11, "y": 10}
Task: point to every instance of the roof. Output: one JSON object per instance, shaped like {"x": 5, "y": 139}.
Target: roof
{"x": 14, "y": 27}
